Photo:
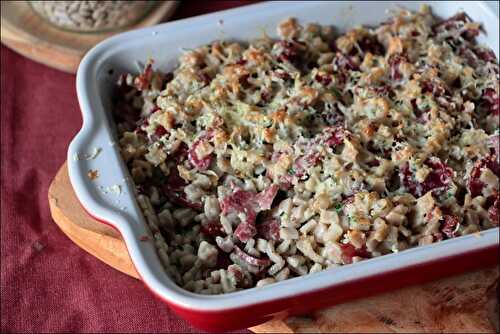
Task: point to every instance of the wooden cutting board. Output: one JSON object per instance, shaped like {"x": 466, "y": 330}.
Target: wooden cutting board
{"x": 467, "y": 303}
{"x": 27, "y": 33}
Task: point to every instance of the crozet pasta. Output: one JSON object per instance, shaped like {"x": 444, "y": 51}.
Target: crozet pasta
{"x": 261, "y": 161}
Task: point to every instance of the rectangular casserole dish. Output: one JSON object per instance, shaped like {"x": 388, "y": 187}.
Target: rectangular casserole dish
{"x": 110, "y": 197}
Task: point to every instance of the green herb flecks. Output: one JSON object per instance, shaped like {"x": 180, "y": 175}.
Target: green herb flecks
{"x": 337, "y": 93}
{"x": 338, "y": 208}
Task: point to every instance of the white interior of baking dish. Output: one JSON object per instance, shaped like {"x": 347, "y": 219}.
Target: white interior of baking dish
{"x": 110, "y": 196}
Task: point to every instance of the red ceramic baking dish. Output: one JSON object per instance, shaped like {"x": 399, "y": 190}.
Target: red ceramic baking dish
{"x": 95, "y": 148}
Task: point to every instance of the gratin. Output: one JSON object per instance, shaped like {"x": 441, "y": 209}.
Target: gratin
{"x": 258, "y": 162}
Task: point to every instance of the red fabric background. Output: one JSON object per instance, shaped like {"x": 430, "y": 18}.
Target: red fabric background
{"x": 47, "y": 283}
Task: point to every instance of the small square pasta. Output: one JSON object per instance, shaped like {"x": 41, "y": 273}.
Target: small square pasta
{"x": 262, "y": 161}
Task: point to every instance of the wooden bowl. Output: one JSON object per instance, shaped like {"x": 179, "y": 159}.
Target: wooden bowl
{"x": 27, "y": 33}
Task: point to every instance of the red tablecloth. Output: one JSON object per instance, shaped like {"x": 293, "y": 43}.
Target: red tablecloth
{"x": 47, "y": 283}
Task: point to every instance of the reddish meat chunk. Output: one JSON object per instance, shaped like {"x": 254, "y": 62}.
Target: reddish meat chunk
{"x": 160, "y": 131}
{"x": 437, "y": 180}
{"x": 174, "y": 190}
{"x": 407, "y": 179}
{"x": 143, "y": 81}
{"x": 269, "y": 229}
{"x": 253, "y": 261}
{"x": 494, "y": 210}
{"x": 194, "y": 159}
{"x": 455, "y": 23}
{"x": 245, "y": 231}
{"x": 439, "y": 177}
{"x": 205, "y": 78}
{"x": 373, "y": 163}
{"x": 306, "y": 161}
{"x": 394, "y": 62}
{"x": 494, "y": 144}
{"x": 349, "y": 251}
{"x": 212, "y": 228}
{"x": 290, "y": 52}
{"x": 331, "y": 136}
{"x": 491, "y": 101}
{"x": 334, "y": 136}
{"x": 485, "y": 54}
{"x": 474, "y": 184}
{"x": 248, "y": 203}
{"x": 245, "y": 201}
{"x": 238, "y": 201}
{"x": 264, "y": 199}
{"x": 325, "y": 79}
{"x": 241, "y": 62}
{"x": 223, "y": 260}
{"x": 436, "y": 88}
{"x": 449, "y": 224}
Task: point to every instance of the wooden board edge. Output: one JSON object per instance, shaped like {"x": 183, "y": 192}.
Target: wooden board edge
{"x": 67, "y": 63}
{"x": 109, "y": 250}
{"x": 272, "y": 326}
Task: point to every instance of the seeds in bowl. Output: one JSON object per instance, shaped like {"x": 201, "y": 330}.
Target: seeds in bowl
{"x": 259, "y": 162}
{"x": 91, "y": 16}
